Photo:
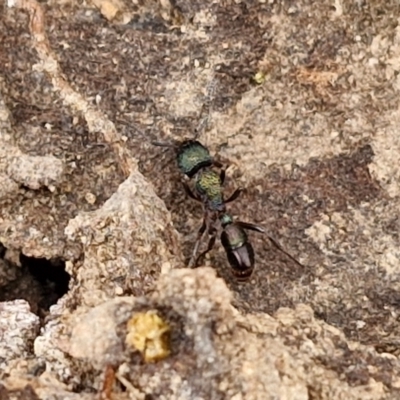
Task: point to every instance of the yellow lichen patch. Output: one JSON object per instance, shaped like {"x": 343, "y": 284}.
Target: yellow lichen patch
{"x": 149, "y": 334}
{"x": 259, "y": 78}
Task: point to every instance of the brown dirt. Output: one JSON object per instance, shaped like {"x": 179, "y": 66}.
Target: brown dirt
{"x": 315, "y": 145}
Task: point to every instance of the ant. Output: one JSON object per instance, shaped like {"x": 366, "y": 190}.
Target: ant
{"x": 195, "y": 161}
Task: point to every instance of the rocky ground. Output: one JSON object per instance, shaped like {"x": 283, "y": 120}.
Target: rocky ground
{"x": 299, "y": 99}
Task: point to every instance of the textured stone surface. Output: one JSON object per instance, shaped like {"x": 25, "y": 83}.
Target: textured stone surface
{"x": 19, "y": 327}
{"x": 314, "y": 142}
{"x": 218, "y": 353}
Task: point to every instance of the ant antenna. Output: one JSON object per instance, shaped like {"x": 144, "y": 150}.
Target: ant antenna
{"x": 163, "y": 144}
{"x": 140, "y": 132}
{"x": 210, "y": 93}
{"x": 246, "y": 225}
{"x": 152, "y": 140}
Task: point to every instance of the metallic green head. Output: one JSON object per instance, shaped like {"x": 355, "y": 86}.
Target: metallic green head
{"x": 192, "y": 156}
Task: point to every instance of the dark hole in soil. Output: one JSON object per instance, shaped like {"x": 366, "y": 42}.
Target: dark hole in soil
{"x": 39, "y": 281}
{"x": 51, "y": 275}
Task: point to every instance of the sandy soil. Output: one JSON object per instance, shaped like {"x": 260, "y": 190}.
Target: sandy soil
{"x": 302, "y": 105}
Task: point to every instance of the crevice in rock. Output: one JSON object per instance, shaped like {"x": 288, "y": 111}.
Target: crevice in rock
{"x": 39, "y": 281}
{"x": 51, "y": 275}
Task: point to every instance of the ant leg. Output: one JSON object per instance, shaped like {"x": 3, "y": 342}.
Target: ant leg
{"x": 217, "y": 164}
{"x": 246, "y": 225}
{"x": 210, "y": 246}
{"x": 256, "y": 228}
{"x": 234, "y": 196}
{"x": 278, "y": 246}
{"x": 222, "y": 175}
{"x": 200, "y": 233}
{"x": 189, "y": 191}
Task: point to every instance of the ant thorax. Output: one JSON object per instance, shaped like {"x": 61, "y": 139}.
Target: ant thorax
{"x": 208, "y": 186}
